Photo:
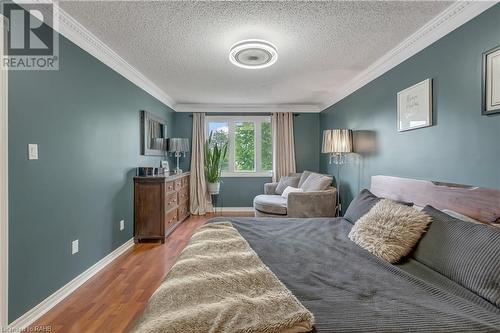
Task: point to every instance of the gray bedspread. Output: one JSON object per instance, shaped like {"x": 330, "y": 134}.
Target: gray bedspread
{"x": 350, "y": 290}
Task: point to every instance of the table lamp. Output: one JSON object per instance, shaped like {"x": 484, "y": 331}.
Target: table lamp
{"x": 178, "y": 147}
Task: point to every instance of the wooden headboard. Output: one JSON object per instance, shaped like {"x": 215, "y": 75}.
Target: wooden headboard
{"x": 479, "y": 203}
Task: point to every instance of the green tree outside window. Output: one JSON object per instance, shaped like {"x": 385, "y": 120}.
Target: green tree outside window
{"x": 267, "y": 147}
{"x": 244, "y": 141}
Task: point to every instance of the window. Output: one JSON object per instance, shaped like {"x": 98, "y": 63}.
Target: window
{"x": 250, "y": 150}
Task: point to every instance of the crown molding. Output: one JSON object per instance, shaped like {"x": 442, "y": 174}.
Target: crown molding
{"x": 451, "y": 18}
{"x": 248, "y": 108}
{"x": 70, "y": 28}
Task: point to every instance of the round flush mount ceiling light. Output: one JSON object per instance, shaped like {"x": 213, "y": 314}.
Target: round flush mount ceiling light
{"x": 253, "y": 54}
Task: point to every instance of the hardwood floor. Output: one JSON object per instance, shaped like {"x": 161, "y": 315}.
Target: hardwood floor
{"x": 114, "y": 298}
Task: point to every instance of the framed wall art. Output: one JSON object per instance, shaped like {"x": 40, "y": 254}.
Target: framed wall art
{"x": 491, "y": 81}
{"x": 415, "y": 106}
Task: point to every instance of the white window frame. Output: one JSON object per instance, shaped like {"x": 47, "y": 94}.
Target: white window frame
{"x": 231, "y": 120}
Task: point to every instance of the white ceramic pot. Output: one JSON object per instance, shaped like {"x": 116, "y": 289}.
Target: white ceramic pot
{"x": 213, "y": 188}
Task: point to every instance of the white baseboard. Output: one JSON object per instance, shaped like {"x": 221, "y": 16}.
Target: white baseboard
{"x": 44, "y": 306}
{"x": 234, "y": 209}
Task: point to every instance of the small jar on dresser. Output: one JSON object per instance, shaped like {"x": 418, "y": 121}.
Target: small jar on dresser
{"x": 161, "y": 203}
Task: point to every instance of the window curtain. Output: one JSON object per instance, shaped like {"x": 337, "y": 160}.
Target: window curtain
{"x": 283, "y": 145}
{"x": 199, "y": 197}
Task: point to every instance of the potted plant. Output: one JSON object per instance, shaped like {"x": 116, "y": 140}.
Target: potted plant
{"x": 215, "y": 154}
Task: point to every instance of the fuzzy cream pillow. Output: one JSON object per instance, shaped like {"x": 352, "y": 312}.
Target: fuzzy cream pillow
{"x": 390, "y": 230}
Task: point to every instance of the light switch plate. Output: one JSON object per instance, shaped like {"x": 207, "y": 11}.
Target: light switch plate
{"x": 74, "y": 246}
{"x": 122, "y": 225}
{"x": 32, "y": 151}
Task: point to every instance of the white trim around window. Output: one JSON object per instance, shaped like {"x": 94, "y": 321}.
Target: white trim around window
{"x": 231, "y": 120}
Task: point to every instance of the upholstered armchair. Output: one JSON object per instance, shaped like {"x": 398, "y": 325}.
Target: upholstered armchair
{"x": 298, "y": 204}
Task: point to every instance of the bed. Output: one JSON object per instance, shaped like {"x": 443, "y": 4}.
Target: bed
{"x": 350, "y": 290}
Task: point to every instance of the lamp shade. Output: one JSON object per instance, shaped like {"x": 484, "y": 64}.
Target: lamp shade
{"x": 185, "y": 144}
{"x": 178, "y": 145}
{"x": 337, "y": 141}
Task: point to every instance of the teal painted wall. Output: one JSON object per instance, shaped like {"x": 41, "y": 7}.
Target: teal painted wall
{"x": 307, "y": 142}
{"x": 463, "y": 146}
{"x": 85, "y": 119}
{"x": 239, "y": 192}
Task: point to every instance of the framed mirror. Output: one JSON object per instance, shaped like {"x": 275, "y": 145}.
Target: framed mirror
{"x": 153, "y": 135}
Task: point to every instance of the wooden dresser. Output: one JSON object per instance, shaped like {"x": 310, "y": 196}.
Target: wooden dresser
{"x": 161, "y": 203}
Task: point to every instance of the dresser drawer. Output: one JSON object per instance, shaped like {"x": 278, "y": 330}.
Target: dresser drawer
{"x": 170, "y": 201}
{"x": 183, "y": 194}
{"x": 183, "y": 210}
{"x": 170, "y": 219}
{"x": 185, "y": 181}
{"x": 169, "y": 187}
{"x": 157, "y": 205}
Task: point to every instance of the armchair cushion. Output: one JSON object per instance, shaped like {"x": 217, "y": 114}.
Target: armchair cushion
{"x": 270, "y": 188}
{"x": 316, "y": 182}
{"x": 303, "y": 177}
{"x": 285, "y": 182}
{"x": 271, "y": 204}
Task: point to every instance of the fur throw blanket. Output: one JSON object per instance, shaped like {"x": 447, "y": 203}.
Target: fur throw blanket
{"x": 219, "y": 284}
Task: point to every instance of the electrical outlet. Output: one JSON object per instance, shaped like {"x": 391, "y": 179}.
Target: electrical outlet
{"x": 74, "y": 246}
{"x": 122, "y": 225}
{"x": 32, "y": 151}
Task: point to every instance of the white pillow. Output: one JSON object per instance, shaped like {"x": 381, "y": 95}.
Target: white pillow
{"x": 459, "y": 216}
{"x": 290, "y": 189}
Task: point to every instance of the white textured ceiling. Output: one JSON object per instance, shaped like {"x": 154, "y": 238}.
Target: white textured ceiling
{"x": 183, "y": 46}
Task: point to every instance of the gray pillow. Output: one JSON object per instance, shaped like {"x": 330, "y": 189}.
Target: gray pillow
{"x": 285, "y": 182}
{"x": 362, "y": 204}
{"x": 316, "y": 182}
{"x": 464, "y": 252}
